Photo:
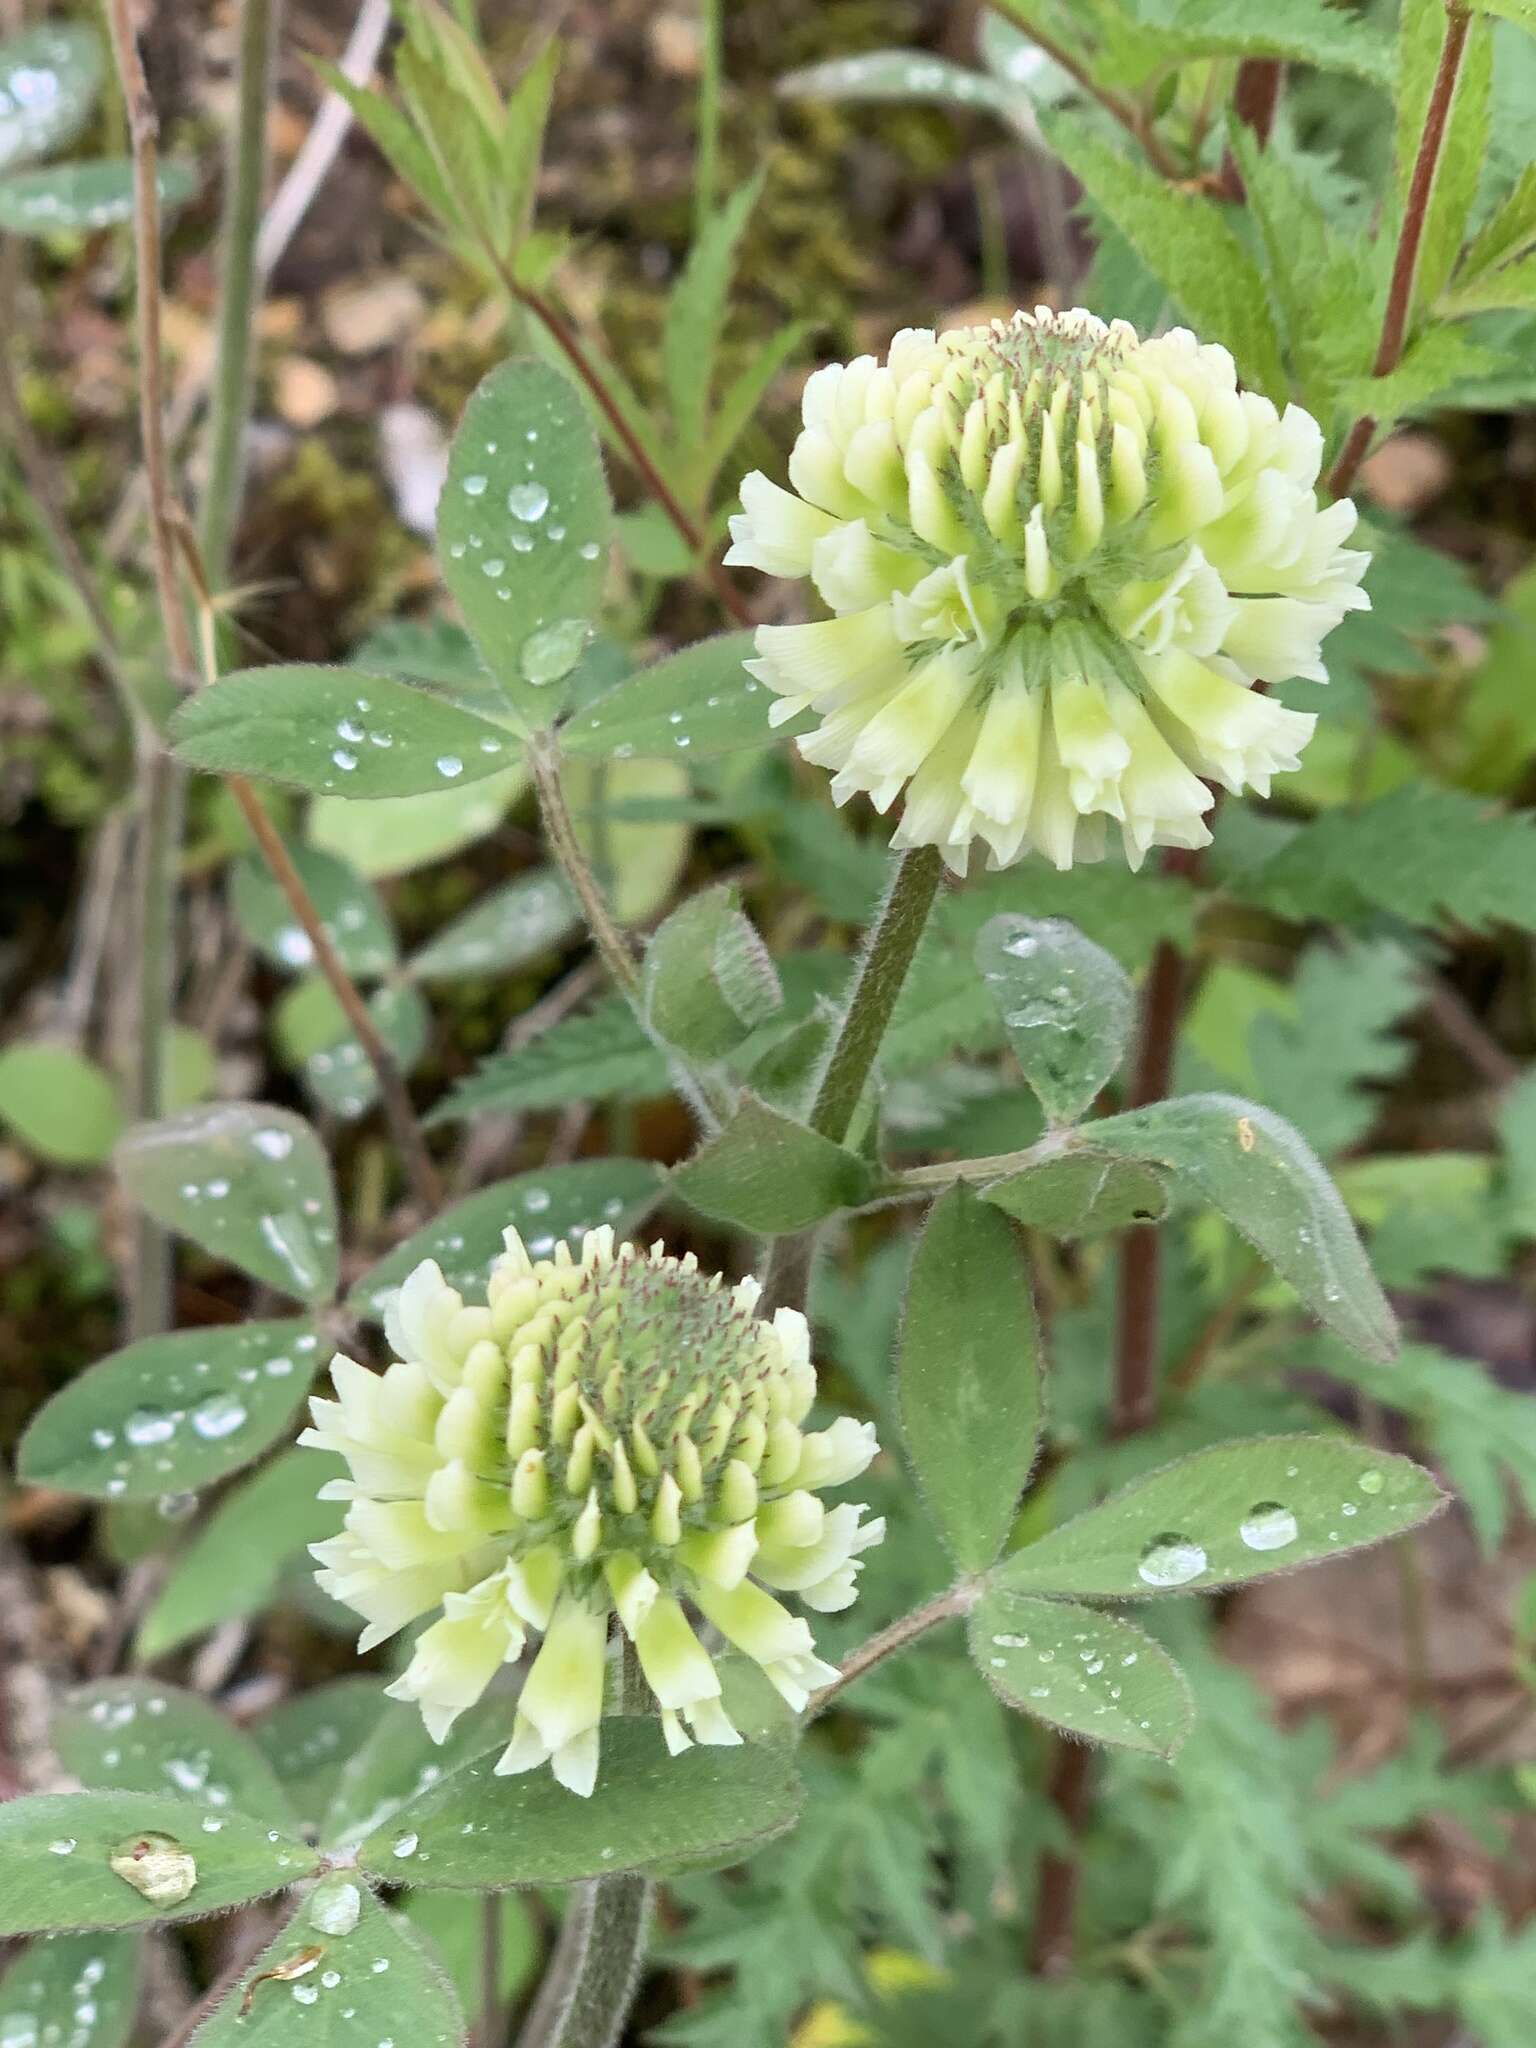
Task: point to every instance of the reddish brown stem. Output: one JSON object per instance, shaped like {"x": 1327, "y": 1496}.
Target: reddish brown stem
{"x": 1255, "y": 102}
{"x": 1059, "y": 1877}
{"x": 1410, "y": 240}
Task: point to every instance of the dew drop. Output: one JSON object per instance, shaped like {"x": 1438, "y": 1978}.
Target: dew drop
{"x": 147, "y": 1426}
{"x": 405, "y": 1845}
{"x": 219, "y": 1416}
{"x": 449, "y": 765}
{"x": 474, "y": 486}
{"x": 1171, "y": 1560}
{"x": 344, "y": 761}
{"x": 528, "y": 502}
{"x": 1370, "y": 1482}
{"x": 1268, "y": 1526}
{"x": 274, "y": 1144}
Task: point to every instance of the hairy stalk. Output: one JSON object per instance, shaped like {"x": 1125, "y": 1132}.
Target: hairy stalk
{"x": 394, "y": 1096}
{"x": 945, "y": 1607}
{"x": 560, "y": 830}
{"x": 157, "y": 782}
{"x": 595, "y": 1970}
{"x": 888, "y": 955}
{"x": 229, "y": 415}
{"x": 1405, "y": 264}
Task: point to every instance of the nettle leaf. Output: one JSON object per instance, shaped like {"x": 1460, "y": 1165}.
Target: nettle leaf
{"x": 1077, "y": 1669}
{"x": 81, "y": 198}
{"x": 700, "y": 701}
{"x": 1307, "y": 31}
{"x": 331, "y": 730}
{"x": 1065, "y": 1003}
{"x": 1265, "y": 1179}
{"x": 341, "y": 1077}
{"x": 344, "y": 1973}
{"x": 396, "y": 834}
{"x": 310, "y": 1738}
{"x": 1509, "y": 231}
{"x": 233, "y": 1563}
{"x": 46, "y": 1990}
{"x": 523, "y": 531}
{"x": 351, "y": 912}
{"x": 60, "y": 1104}
{"x": 57, "y": 1848}
{"x": 708, "y": 1806}
{"x": 968, "y": 1374}
{"x": 559, "y": 1202}
{"x": 50, "y": 77}
{"x": 709, "y": 980}
{"x": 1186, "y": 241}
{"x": 248, "y": 1183}
{"x": 509, "y": 927}
{"x": 601, "y": 1056}
{"x": 136, "y": 1735}
{"x": 768, "y": 1173}
{"x": 1226, "y": 1515}
{"x": 1081, "y": 1195}
{"x": 171, "y": 1414}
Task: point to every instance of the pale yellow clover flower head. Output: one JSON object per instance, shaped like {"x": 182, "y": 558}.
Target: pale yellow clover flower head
{"x": 1059, "y": 559}
{"x": 617, "y": 1434}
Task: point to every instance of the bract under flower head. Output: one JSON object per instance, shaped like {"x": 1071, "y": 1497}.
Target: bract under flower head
{"x": 1059, "y": 557}
{"x": 615, "y": 1435}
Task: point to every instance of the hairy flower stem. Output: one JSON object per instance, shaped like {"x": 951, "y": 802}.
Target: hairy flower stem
{"x": 946, "y": 1607}
{"x": 595, "y": 1969}
{"x": 1410, "y": 240}
{"x": 882, "y": 974}
{"x": 560, "y": 830}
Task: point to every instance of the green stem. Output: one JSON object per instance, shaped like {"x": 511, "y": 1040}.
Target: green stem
{"x": 595, "y": 1970}
{"x": 560, "y": 830}
{"x": 230, "y": 407}
{"x": 893, "y": 941}
{"x": 160, "y": 792}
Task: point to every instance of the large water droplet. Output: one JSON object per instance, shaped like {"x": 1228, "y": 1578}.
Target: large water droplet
{"x": 336, "y": 1906}
{"x": 474, "y": 486}
{"x": 147, "y": 1426}
{"x": 1371, "y": 1482}
{"x": 1170, "y": 1560}
{"x": 528, "y": 501}
{"x": 219, "y": 1416}
{"x": 1268, "y": 1526}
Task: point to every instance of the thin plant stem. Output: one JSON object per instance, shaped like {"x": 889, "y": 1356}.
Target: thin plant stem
{"x": 1133, "y": 1403}
{"x": 1058, "y": 1880}
{"x": 492, "y": 2029}
{"x": 229, "y": 414}
{"x": 706, "y": 159}
{"x": 888, "y": 955}
{"x": 1410, "y": 240}
{"x": 394, "y": 1096}
{"x": 594, "y": 1972}
{"x": 946, "y": 1606}
{"x": 157, "y": 782}
{"x": 560, "y": 830}
{"x": 1131, "y": 117}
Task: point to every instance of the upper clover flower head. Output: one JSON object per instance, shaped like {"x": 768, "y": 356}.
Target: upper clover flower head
{"x": 619, "y": 1434}
{"x": 1059, "y": 558}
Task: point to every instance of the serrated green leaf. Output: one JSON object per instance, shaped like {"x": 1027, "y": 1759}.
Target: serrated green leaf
{"x": 247, "y": 1182}
{"x": 1187, "y": 242}
{"x": 54, "y": 1850}
{"x": 1313, "y": 1063}
{"x": 561, "y": 1202}
{"x": 509, "y": 927}
{"x": 341, "y": 1077}
{"x": 1509, "y": 231}
{"x": 408, "y": 156}
{"x": 331, "y": 730}
{"x": 696, "y": 308}
{"x": 1088, "y": 1673}
{"x": 708, "y": 979}
{"x": 459, "y": 127}
{"x": 523, "y": 530}
{"x": 968, "y": 1374}
{"x": 397, "y": 834}
{"x": 522, "y": 143}
{"x": 351, "y": 912}
{"x": 233, "y": 1562}
{"x": 706, "y": 1806}
{"x": 1521, "y": 12}
{"x": 1227, "y": 1515}
{"x": 1305, "y": 31}
{"x": 46, "y": 1991}
{"x": 1433, "y": 367}
{"x": 171, "y": 1414}
{"x": 59, "y": 1103}
{"x": 1264, "y": 1178}
{"x": 1510, "y": 286}
{"x": 137, "y": 1735}
{"x": 739, "y": 401}
{"x": 700, "y": 700}
{"x": 81, "y": 198}
{"x": 1082, "y": 1195}
{"x": 767, "y": 1173}
{"x": 602, "y": 1056}
{"x": 50, "y": 77}
{"x": 310, "y": 1738}
{"x": 373, "y": 1984}
{"x": 1066, "y": 1005}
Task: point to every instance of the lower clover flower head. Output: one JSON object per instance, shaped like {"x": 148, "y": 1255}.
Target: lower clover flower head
{"x": 1059, "y": 557}
{"x": 615, "y": 1435}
